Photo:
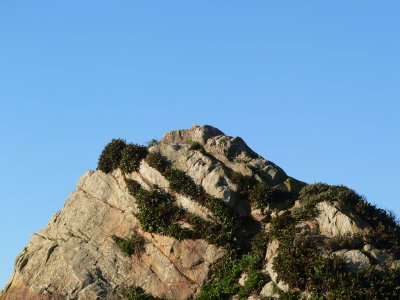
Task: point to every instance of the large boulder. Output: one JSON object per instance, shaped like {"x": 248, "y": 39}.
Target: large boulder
{"x": 74, "y": 257}
{"x": 333, "y": 222}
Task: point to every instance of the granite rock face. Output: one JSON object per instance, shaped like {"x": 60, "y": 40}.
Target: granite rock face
{"x": 75, "y": 256}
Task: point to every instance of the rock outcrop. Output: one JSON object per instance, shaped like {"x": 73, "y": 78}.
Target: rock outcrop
{"x": 76, "y": 255}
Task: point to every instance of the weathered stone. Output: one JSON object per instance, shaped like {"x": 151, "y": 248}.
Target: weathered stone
{"x": 269, "y": 268}
{"x": 78, "y": 241}
{"x": 376, "y": 254}
{"x": 393, "y": 265}
{"x": 269, "y": 290}
{"x": 196, "y": 133}
{"x": 332, "y": 221}
{"x": 272, "y": 249}
{"x": 243, "y": 278}
{"x": 355, "y": 260}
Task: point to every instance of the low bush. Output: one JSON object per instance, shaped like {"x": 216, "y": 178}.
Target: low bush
{"x": 156, "y": 161}
{"x": 132, "y": 245}
{"x": 111, "y": 155}
{"x": 131, "y": 157}
{"x": 302, "y": 266}
{"x": 257, "y": 193}
{"x": 158, "y": 212}
{"x": 183, "y": 184}
{"x": 225, "y": 281}
{"x": 152, "y": 143}
{"x": 136, "y": 293}
{"x": 386, "y": 229}
{"x": 353, "y": 241}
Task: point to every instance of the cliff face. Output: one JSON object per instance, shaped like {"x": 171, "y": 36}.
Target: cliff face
{"x": 170, "y": 219}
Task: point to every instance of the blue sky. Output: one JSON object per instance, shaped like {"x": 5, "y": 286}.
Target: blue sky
{"x": 313, "y": 86}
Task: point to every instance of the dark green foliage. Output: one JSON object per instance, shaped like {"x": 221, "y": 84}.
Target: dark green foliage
{"x": 118, "y": 154}
{"x": 152, "y": 143}
{"x": 158, "y": 212}
{"x": 385, "y": 238}
{"x": 136, "y": 293}
{"x": 110, "y": 157}
{"x": 386, "y": 233}
{"x": 289, "y": 295}
{"x": 344, "y": 242}
{"x": 302, "y": 266}
{"x": 257, "y": 193}
{"x": 228, "y": 221}
{"x": 156, "y": 161}
{"x": 282, "y": 226}
{"x": 244, "y": 183}
{"x": 132, "y": 245}
{"x": 254, "y": 283}
{"x": 259, "y": 243}
{"x": 262, "y": 195}
{"x": 183, "y": 184}
{"x": 131, "y": 157}
{"x": 347, "y": 199}
{"x": 225, "y": 281}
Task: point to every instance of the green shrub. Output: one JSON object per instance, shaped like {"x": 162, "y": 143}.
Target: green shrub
{"x": 226, "y": 276}
{"x": 110, "y": 157}
{"x": 255, "y": 282}
{"x": 347, "y": 199}
{"x": 132, "y": 245}
{"x": 257, "y": 193}
{"x": 158, "y": 212}
{"x": 260, "y": 242}
{"x": 262, "y": 195}
{"x": 131, "y": 157}
{"x": 352, "y": 241}
{"x": 136, "y": 293}
{"x": 183, "y": 184}
{"x": 304, "y": 267}
{"x": 156, "y": 161}
{"x": 244, "y": 183}
{"x": 152, "y": 143}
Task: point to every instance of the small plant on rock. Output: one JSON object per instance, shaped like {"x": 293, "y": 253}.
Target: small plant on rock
{"x": 111, "y": 155}
{"x": 131, "y": 157}
{"x": 132, "y": 245}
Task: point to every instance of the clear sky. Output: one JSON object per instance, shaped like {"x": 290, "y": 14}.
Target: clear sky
{"x": 313, "y": 86}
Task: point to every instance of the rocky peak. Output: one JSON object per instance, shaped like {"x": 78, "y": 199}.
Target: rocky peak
{"x": 200, "y": 134}
{"x": 200, "y": 215}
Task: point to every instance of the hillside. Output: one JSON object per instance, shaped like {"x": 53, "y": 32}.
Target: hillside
{"x": 199, "y": 215}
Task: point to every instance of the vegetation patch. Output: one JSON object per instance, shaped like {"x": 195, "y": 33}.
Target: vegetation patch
{"x": 158, "y": 212}
{"x": 257, "y": 193}
{"x": 304, "y": 262}
{"x": 132, "y": 245}
{"x": 131, "y": 157}
{"x": 118, "y": 154}
{"x": 111, "y": 155}
{"x": 136, "y": 293}
{"x": 302, "y": 266}
{"x": 152, "y": 143}
{"x": 386, "y": 230}
{"x": 229, "y": 222}
{"x": 225, "y": 279}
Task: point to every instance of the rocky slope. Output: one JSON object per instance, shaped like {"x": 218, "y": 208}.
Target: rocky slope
{"x": 201, "y": 215}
